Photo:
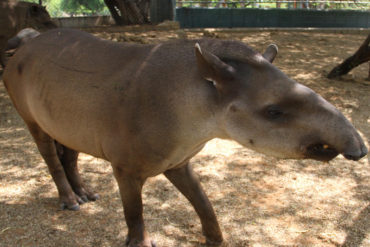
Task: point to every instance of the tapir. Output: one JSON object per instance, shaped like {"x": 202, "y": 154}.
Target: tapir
{"x": 148, "y": 109}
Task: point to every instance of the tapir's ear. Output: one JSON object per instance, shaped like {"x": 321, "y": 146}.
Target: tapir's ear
{"x": 270, "y": 52}
{"x": 211, "y": 67}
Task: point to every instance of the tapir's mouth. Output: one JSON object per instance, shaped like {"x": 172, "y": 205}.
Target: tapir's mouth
{"x": 321, "y": 151}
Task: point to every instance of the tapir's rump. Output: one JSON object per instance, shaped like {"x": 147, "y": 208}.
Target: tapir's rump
{"x": 149, "y": 108}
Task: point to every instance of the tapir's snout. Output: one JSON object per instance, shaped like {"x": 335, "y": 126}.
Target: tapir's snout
{"x": 356, "y": 154}
{"x": 352, "y": 148}
{"x": 331, "y": 134}
{"x": 325, "y": 152}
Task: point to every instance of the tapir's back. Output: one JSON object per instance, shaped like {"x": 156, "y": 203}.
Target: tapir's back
{"x": 65, "y": 77}
{"x": 72, "y": 50}
{"x": 74, "y": 85}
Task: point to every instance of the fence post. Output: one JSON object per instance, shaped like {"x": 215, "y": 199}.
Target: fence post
{"x": 162, "y": 10}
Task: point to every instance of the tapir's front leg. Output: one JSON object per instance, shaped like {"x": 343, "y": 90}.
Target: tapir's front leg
{"x": 130, "y": 189}
{"x": 188, "y": 184}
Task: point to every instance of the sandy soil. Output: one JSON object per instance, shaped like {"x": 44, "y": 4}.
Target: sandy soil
{"x": 259, "y": 200}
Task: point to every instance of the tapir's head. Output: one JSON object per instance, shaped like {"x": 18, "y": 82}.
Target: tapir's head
{"x": 38, "y": 17}
{"x": 265, "y": 110}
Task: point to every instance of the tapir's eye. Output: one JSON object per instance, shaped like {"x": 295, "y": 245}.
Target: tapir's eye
{"x": 273, "y": 112}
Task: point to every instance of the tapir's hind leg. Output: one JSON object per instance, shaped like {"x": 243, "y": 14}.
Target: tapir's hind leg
{"x": 186, "y": 181}
{"x": 68, "y": 158}
{"x": 48, "y": 151}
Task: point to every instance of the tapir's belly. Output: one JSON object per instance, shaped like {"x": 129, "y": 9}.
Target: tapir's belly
{"x": 73, "y": 114}
{"x": 70, "y": 122}
{"x": 92, "y": 122}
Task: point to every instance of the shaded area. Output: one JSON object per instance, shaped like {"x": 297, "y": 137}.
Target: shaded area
{"x": 357, "y": 232}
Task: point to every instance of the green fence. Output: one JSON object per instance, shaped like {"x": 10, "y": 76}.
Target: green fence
{"x": 229, "y": 18}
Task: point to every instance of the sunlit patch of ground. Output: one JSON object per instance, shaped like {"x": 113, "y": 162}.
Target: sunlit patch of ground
{"x": 259, "y": 200}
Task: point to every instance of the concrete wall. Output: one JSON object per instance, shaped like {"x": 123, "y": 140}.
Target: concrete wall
{"x": 84, "y": 21}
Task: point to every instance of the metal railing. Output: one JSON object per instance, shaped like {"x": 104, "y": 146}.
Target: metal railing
{"x": 288, "y": 4}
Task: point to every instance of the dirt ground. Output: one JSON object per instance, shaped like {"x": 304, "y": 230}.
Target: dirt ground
{"x": 259, "y": 200}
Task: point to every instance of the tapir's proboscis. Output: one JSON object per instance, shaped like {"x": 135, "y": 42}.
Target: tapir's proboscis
{"x": 148, "y": 109}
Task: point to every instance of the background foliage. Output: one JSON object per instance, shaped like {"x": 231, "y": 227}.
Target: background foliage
{"x": 67, "y": 8}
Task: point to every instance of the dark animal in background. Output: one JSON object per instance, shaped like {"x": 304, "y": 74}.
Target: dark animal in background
{"x": 15, "y": 16}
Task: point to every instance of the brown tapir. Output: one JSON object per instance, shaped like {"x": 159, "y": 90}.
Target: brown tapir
{"x": 15, "y": 16}
{"x": 149, "y": 108}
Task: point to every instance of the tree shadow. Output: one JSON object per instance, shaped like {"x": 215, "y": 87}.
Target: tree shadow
{"x": 360, "y": 227}
{"x": 356, "y": 232}
{"x": 33, "y": 218}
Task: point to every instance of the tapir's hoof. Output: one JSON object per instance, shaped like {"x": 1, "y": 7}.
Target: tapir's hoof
{"x": 80, "y": 199}
{"x": 88, "y": 197}
{"x": 139, "y": 244}
{"x": 94, "y": 197}
{"x": 86, "y": 194}
{"x": 213, "y": 242}
{"x": 83, "y": 199}
{"x": 74, "y": 207}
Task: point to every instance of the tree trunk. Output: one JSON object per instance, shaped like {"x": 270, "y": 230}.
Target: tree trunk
{"x": 362, "y": 55}
{"x": 113, "y": 9}
{"x": 129, "y": 12}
